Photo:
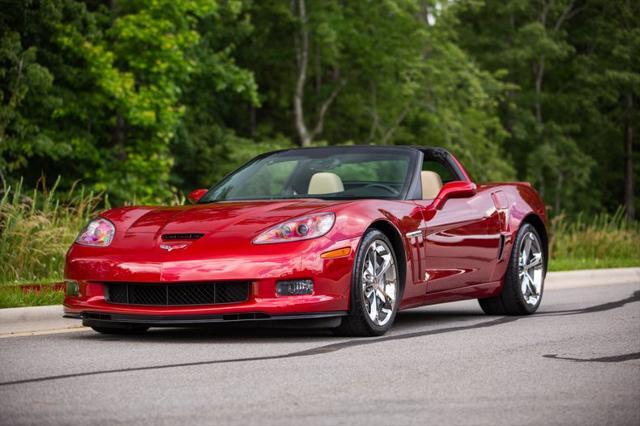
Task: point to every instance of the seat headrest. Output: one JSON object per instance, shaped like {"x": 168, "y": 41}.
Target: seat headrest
{"x": 325, "y": 183}
{"x": 431, "y": 184}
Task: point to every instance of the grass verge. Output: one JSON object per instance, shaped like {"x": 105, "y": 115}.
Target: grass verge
{"x": 600, "y": 241}
{"x": 15, "y": 296}
{"x": 587, "y": 263}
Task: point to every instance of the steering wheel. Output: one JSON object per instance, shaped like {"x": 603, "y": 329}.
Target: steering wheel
{"x": 388, "y": 188}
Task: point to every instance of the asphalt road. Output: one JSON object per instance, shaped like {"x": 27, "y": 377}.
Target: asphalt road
{"x": 575, "y": 362}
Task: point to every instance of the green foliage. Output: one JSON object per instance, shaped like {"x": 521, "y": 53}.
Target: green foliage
{"x": 114, "y": 80}
{"x": 401, "y": 79}
{"x": 136, "y": 67}
{"x": 24, "y": 85}
{"x": 570, "y": 66}
{"x": 146, "y": 99}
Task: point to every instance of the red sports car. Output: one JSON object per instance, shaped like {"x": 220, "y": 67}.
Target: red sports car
{"x": 342, "y": 237}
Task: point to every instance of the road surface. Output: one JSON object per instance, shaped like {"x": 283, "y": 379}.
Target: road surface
{"x": 576, "y": 362}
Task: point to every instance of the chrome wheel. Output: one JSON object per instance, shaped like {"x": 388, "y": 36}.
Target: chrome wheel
{"x": 531, "y": 268}
{"x": 379, "y": 282}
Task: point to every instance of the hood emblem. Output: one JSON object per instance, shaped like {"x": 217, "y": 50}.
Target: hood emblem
{"x": 170, "y": 247}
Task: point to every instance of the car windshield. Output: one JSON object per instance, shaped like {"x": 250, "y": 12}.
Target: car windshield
{"x": 317, "y": 173}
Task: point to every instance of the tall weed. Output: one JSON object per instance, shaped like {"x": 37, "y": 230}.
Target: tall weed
{"x": 37, "y": 227}
{"x": 602, "y": 240}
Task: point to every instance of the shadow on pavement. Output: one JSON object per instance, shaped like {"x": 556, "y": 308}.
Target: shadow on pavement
{"x": 405, "y": 322}
{"x": 255, "y": 332}
{"x": 612, "y": 358}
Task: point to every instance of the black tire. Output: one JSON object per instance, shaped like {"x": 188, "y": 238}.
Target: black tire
{"x": 358, "y": 323}
{"x": 511, "y": 300}
{"x": 126, "y": 329}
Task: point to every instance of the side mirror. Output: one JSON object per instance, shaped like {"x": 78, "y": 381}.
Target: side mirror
{"x": 195, "y": 195}
{"x": 456, "y": 189}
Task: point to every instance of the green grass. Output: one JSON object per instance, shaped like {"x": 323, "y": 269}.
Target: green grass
{"x": 12, "y": 296}
{"x": 600, "y": 241}
{"x": 37, "y": 227}
{"x": 572, "y": 264}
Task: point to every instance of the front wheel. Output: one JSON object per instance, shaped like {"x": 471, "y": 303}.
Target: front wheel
{"x": 374, "y": 290}
{"x": 524, "y": 280}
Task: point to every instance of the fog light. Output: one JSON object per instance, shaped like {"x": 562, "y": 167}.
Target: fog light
{"x": 294, "y": 288}
{"x": 72, "y": 288}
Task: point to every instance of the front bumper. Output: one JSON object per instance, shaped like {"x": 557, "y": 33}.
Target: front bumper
{"x": 329, "y": 296}
{"x": 90, "y": 268}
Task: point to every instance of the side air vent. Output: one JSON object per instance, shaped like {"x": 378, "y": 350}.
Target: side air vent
{"x": 501, "y": 247}
{"x": 174, "y": 237}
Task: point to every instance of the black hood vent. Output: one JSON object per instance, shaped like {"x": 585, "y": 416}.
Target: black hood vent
{"x": 175, "y": 237}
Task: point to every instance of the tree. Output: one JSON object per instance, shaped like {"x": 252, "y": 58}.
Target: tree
{"x": 98, "y": 92}
{"x": 147, "y": 98}
{"x": 608, "y": 79}
{"x": 527, "y": 42}
{"x": 27, "y": 93}
{"x": 372, "y": 72}
{"x": 135, "y": 66}
{"x": 211, "y": 139}
{"x": 305, "y": 135}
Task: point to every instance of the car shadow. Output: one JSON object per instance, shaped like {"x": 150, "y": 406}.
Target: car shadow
{"x": 406, "y": 321}
{"x": 408, "y": 324}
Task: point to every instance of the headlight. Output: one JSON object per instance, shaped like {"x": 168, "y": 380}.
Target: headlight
{"x": 302, "y": 228}
{"x": 98, "y": 233}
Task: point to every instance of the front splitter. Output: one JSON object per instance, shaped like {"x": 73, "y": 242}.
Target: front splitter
{"x": 98, "y": 319}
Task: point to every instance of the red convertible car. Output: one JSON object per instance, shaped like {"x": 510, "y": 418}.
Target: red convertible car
{"x": 338, "y": 236}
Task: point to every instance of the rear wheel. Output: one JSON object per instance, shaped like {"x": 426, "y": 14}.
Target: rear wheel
{"x": 374, "y": 289}
{"x": 524, "y": 279}
{"x": 123, "y": 329}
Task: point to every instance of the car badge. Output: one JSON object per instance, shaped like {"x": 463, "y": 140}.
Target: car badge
{"x": 170, "y": 247}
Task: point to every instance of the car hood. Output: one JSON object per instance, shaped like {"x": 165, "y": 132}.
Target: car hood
{"x": 247, "y": 218}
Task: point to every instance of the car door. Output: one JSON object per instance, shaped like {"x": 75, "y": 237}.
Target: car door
{"x": 461, "y": 238}
{"x": 461, "y": 242}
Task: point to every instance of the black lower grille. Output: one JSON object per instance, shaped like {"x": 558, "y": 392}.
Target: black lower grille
{"x": 211, "y": 293}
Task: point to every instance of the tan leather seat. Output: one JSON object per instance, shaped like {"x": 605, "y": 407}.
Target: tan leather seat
{"x": 431, "y": 184}
{"x": 325, "y": 183}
